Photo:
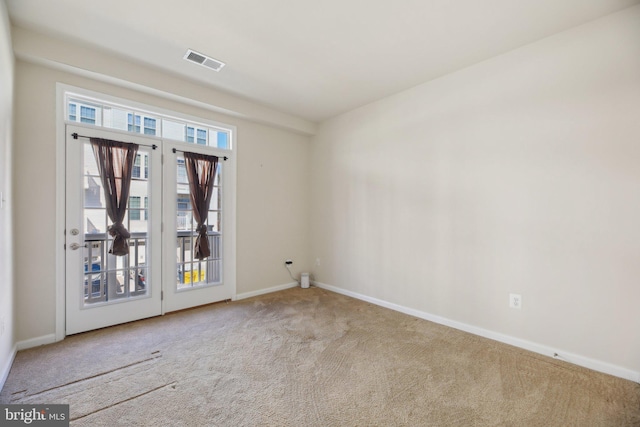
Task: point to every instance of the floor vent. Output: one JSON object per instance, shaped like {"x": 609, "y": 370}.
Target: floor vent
{"x": 205, "y": 61}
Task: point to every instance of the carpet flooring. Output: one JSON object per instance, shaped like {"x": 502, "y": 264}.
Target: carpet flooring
{"x": 310, "y": 357}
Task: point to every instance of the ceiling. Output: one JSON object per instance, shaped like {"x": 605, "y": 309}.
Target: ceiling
{"x": 312, "y": 59}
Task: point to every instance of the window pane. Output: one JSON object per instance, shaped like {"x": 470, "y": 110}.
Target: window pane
{"x": 216, "y": 180}
{"x": 90, "y": 165}
{"x": 173, "y": 130}
{"x": 116, "y": 118}
{"x": 215, "y": 199}
{"x": 222, "y": 140}
{"x": 93, "y": 192}
{"x": 191, "y": 272}
{"x": 123, "y": 118}
{"x": 214, "y": 220}
{"x": 95, "y": 220}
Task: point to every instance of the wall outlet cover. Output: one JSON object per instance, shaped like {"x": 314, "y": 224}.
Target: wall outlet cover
{"x": 515, "y": 301}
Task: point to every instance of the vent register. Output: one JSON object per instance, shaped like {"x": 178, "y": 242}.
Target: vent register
{"x": 204, "y": 60}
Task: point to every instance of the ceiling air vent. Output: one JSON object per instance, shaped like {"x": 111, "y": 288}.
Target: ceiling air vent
{"x": 205, "y": 61}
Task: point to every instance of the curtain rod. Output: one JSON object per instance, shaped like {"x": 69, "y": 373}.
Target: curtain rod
{"x": 76, "y": 136}
{"x": 154, "y": 146}
{"x": 175, "y": 150}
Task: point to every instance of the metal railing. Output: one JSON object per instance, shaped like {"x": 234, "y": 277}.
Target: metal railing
{"x": 192, "y": 272}
{"x": 109, "y": 278}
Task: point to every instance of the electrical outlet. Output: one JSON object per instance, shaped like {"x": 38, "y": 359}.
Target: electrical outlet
{"x": 515, "y": 301}
{"x": 318, "y": 262}
{"x": 288, "y": 262}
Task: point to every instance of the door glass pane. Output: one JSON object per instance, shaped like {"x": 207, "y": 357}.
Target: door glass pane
{"x": 190, "y": 272}
{"x": 108, "y": 278}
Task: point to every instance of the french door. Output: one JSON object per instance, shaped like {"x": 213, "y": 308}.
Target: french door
{"x": 159, "y": 274}
{"x": 188, "y": 281}
{"x": 103, "y": 289}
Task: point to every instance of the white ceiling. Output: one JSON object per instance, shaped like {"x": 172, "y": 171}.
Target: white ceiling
{"x": 313, "y": 59}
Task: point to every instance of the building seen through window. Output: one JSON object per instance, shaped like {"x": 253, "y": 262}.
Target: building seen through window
{"x": 102, "y": 114}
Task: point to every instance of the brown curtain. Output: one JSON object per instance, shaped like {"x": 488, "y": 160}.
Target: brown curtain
{"x": 201, "y": 171}
{"x": 115, "y": 164}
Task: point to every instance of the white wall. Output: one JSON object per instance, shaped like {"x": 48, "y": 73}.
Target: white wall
{"x": 519, "y": 174}
{"x": 82, "y": 60}
{"x": 272, "y": 221}
{"x": 6, "y": 226}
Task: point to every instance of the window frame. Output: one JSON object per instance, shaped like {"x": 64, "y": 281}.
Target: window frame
{"x": 147, "y": 122}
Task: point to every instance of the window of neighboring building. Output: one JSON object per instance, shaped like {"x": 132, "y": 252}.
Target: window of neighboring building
{"x": 87, "y": 115}
{"x": 202, "y": 137}
{"x": 138, "y": 170}
{"x": 115, "y": 116}
{"x": 184, "y": 203}
{"x": 197, "y": 135}
{"x": 182, "y": 172}
{"x": 133, "y": 125}
{"x": 83, "y": 112}
{"x": 134, "y": 208}
{"x": 149, "y": 126}
{"x": 135, "y": 173}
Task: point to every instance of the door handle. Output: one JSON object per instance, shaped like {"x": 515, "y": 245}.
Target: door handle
{"x": 76, "y": 246}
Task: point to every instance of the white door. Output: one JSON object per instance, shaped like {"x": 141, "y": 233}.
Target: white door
{"x": 102, "y": 289}
{"x": 190, "y": 282}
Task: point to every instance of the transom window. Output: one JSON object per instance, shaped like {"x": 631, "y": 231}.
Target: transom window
{"x": 100, "y": 113}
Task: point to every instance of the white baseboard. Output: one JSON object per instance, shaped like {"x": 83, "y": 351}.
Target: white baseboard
{"x": 575, "y": 359}
{"x": 35, "y": 342}
{"x": 265, "y": 291}
{"x": 4, "y": 374}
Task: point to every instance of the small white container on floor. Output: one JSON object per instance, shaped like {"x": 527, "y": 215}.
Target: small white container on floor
{"x": 304, "y": 280}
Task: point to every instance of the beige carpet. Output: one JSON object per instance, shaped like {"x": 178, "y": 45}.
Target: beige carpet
{"x": 309, "y": 357}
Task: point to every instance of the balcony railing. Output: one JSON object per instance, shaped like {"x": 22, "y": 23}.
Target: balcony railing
{"x": 109, "y": 278}
{"x": 192, "y": 272}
